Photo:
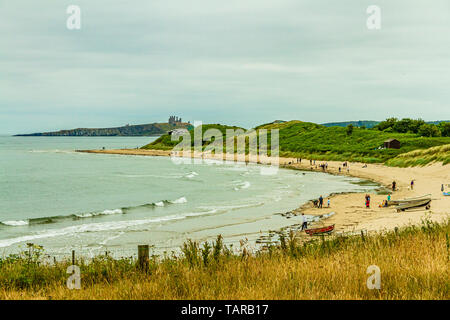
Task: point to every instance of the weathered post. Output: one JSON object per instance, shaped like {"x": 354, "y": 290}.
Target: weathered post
{"x": 73, "y": 257}
{"x": 143, "y": 256}
{"x": 362, "y": 235}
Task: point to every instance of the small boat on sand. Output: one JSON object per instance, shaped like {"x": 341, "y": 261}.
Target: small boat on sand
{"x": 415, "y": 204}
{"x": 409, "y": 200}
{"x": 321, "y": 230}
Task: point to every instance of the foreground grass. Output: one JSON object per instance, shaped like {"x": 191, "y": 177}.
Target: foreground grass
{"x": 422, "y": 157}
{"x": 413, "y": 261}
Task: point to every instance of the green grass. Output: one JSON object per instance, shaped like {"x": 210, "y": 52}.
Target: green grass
{"x": 165, "y": 141}
{"x": 313, "y": 141}
{"x": 329, "y": 268}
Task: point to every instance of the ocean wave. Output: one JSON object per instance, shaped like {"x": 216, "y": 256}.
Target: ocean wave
{"x": 15, "y": 223}
{"x": 180, "y": 200}
{"x": 55, "y": 219}
{"x": 100, "y": 227}
{"x": 233, "y": 207}
{"x": 191, "y": 175}
{"x": 103, "y": 213}
{"x": 242, "y": 185}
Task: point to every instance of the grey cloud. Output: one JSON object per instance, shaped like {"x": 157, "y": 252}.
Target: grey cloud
{"x": 210, "y": 60}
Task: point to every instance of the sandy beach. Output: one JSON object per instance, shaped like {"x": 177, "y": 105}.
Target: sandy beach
{"x": 350, "y": 211}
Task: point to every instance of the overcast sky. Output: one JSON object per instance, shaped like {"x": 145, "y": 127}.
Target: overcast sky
{"x": 242, "y": 62}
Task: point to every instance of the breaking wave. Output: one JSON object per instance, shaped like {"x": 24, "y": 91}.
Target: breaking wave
{"x": 15, "y": 223}
{"x": 100, "y": 227}
{"x": 55, "y": 219}
{"x": 242, "y": 185}
{"x": 191, "y": 175}
{"x": 180, "y": 200}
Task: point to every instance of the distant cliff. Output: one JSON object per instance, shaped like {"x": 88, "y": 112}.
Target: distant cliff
{"x": 151, "y": 129}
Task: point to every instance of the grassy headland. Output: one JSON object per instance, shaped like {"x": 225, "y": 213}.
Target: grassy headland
{"x": 317, "y": 269}
{"x": 165, "y": 142}
{"x": 313, "y": 141}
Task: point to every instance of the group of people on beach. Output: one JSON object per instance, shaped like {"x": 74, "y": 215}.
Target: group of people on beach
{"x": 386, "y": 202}
{"x": 344, "y": 165}
{"x": 319, "y": 202}
{"x": 394, "y": 185}
{"x": 367, "y": 200}
{"x": 323, "y": 166}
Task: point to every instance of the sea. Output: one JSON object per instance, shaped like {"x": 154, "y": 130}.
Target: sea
{"x": 63, "y": 200}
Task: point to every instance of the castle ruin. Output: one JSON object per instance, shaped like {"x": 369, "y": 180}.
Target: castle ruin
{"x": 173, "y": 120}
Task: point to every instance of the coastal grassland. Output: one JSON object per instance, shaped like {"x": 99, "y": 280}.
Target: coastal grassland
{"x": 165, "y": 142}
{"x": 422, "y": 157}
{"x": 413, "y": 261}
{"x": 313, "y": 141}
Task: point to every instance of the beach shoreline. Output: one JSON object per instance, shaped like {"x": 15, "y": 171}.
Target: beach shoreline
{"x": 350, "y": 212}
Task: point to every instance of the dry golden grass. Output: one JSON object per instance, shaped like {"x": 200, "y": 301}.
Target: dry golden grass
{"x": 414, "y": 265}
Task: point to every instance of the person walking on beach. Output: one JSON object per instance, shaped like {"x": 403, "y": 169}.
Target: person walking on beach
{"x": 394, "y": 184}
{"x": 305, "y": 223}
{"x": 329, "y": 202}
{"x": 412, "y": 184}
{"x": 320, "y": 202}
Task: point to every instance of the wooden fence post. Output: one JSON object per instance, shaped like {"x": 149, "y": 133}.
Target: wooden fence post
{"x": 73, "y": 257}
{"x": 143, "y": 256}
{"x": 362, "y": 235}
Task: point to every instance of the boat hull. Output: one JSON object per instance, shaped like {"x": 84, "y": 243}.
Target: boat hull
{"x": 417, "y": 204}
{"x": 410, "y": 200}
{"x": 319, "y": 231}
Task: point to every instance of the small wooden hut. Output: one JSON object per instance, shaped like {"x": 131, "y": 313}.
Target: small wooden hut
{"x": 392, "y": 144}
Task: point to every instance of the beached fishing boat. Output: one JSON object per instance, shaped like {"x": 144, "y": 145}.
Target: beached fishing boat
{"x": 409, "y": 200}
{"x": 319, "y": 231}
{"x": 414, "y": 204}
